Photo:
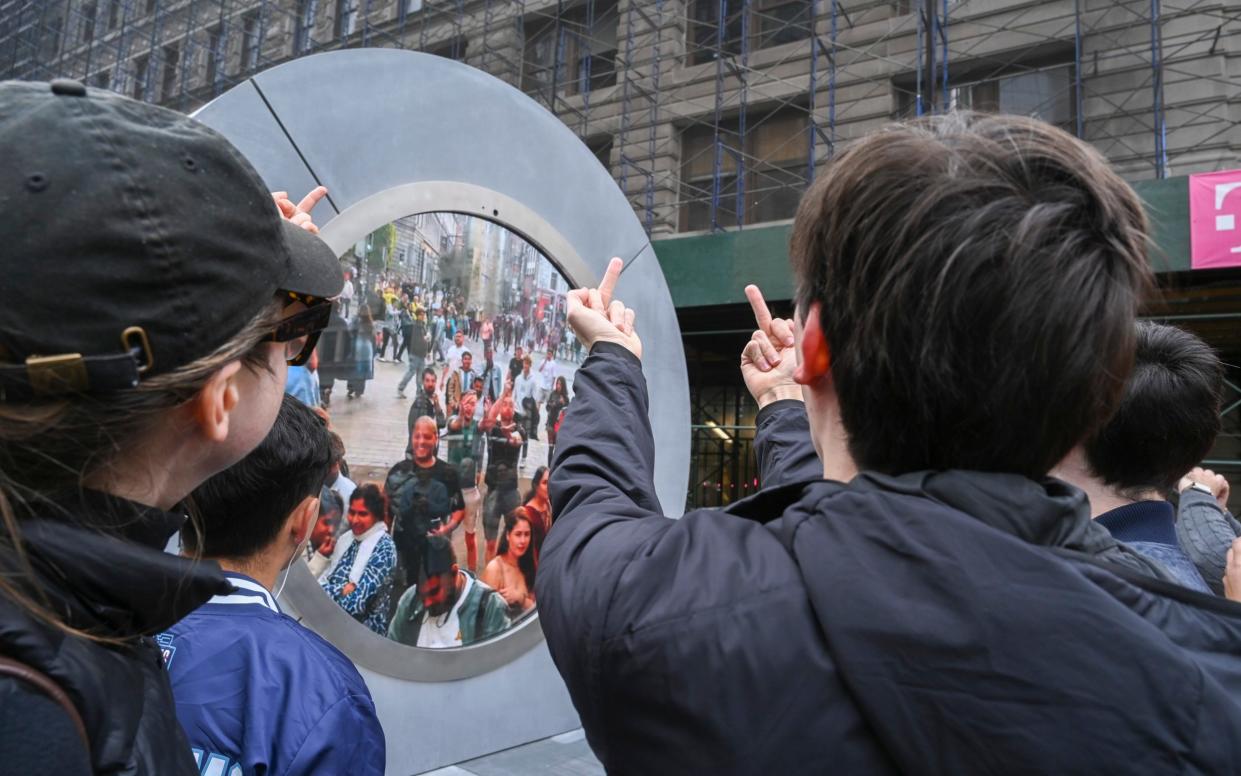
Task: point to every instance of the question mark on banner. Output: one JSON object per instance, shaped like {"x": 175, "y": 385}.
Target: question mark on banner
{"x": 1226, "y": 222}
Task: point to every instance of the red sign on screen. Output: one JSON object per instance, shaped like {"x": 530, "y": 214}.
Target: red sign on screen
{"x": 1215, "y": 219}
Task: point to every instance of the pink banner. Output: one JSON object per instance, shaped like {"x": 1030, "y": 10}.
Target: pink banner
{"x": 1215, "y": 219}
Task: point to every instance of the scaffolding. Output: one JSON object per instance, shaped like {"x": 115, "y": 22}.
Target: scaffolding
{"x": 710, "y": 114}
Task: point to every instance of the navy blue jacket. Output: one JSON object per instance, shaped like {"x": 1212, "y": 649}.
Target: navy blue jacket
{"x": 259, "y": 693}
{"x": 931, "y": 623}
{"x": 1149, "y": 527}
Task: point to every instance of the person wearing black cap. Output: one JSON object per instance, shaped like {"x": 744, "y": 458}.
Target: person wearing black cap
{"x": 189, "y": 294}
{"x": 449, "y": 607}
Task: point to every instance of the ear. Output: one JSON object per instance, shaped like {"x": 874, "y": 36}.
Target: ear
{"x": 303, "y": 518}
{"x": 455, "y": 569}
{"x": 816, "y": 355}
{"x": 215, "y": 402}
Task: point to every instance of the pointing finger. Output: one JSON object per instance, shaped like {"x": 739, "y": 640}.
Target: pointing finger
{"x": 310, "y": 200}
{"x": 608, "y": 284}
{"x": 761, "y": 314}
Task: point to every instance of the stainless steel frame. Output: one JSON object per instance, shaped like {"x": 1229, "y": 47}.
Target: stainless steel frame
{"x": 392, "y": 133}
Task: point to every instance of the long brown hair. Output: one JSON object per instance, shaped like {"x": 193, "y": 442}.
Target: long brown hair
{"x": 53, "y": 446}
{"x": 526, "y": 562}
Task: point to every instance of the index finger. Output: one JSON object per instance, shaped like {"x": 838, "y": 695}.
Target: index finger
{"x": 610, "y": 277}
{"x": 759, "y": 305}
{"x": 310, "y": 200}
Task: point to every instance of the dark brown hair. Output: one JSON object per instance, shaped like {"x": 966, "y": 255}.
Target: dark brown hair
{"x": 979, "y": 278}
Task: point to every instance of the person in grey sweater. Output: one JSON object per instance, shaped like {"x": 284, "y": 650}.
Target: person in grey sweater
{"x": 1204, "y": 526}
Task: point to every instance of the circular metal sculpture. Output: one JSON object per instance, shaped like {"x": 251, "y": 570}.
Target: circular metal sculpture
{"x": 394, "y": 133}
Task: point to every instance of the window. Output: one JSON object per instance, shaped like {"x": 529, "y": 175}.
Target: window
{"x": 306, "y": 11}
{"x": 346, "y": 17}
{"x": 601, "y": 147}
{"x": 215, "y": 50}
{"x": 407, "y": 7}
{"x": 577, "y": 53}
{"x": 451, "y": 49}
{"x": 776, "y": 22}
{"x": 770, "y": 23}
{"x": 88, "y": 22}
{"x": 172, "y": 61}
{"x": 251, "y": 40}
{"x": 101, "y": 80}
{"x": 1046, "y": 93}
{"x": 772, "y": 156}
{"x": 142, "y": 67}
{"x": 114, "y": 14}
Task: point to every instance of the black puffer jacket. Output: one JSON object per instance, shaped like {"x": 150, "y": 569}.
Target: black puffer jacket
{"x": 952, "y": 622}
{"x": 101, "y": 565}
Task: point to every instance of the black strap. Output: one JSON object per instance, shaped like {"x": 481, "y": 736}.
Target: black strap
{"x": 66, "y": 374}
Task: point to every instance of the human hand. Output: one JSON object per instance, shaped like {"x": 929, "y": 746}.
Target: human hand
{"x": 596, "y": 317}
{"x": 348, "y": 588}
{"x": 769, "y": 359}
{"x": 299, "y": 214}
{"x": 1232, "y": 572}
{"x": 328, "y": 547}
{"x": 510, "y": 597}
{"x": 1216, "y": 482}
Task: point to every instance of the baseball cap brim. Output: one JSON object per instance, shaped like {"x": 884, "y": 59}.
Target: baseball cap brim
{"x": 313, "y": 269}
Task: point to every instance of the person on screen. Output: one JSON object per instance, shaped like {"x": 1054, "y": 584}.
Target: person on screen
{"x": 504, "y": 439}
{"x": 511, "y": 572}
{"x": 449, "y": 607}
{"x": 424, "y": 496}
{"x": 460, "y": 380}
{"x": 557, "y": 401}
{"x": 359, "y": 575}
{"x": 464, "y": 444}
{"x": 538, "y": 505}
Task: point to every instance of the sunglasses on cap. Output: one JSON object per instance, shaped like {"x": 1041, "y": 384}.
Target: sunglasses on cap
{"x": 300, "y": 331}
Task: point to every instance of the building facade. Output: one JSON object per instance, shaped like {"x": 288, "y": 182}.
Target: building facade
{"x": 710, "y": 115}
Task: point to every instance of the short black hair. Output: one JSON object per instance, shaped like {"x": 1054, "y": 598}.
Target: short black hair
{"x": 428, "y": 371}
{"x": 1168, "y": 417}
{"x": 332, "y": 507}
{"x": 242, "y": 509}
{"x": 373, "y": 498}
{"x": 978, "y": 278}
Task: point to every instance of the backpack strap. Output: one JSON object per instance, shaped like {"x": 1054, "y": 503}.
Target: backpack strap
{"x": 46, "y": 685}
{"x": 480, "y": 616}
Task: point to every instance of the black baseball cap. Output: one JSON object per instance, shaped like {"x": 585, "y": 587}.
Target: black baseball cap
{"x": 136, "y": 240}
{"x": 437, "y": 556}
